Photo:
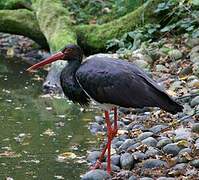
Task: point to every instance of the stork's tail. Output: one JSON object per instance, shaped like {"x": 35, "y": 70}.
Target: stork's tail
{"x": 173, "y": 107}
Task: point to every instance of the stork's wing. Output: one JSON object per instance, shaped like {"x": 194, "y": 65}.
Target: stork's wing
{"x": 121, "y": 83}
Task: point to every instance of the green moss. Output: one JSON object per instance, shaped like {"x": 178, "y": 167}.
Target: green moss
{"x": 54, "y": 22}
{"x": 14, "y": 4}
{"x": 22, "y": 22}
{"x": 96, "y": 36}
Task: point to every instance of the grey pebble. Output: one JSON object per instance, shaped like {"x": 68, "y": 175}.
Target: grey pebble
{"x": 139, "y": 156}
{"x": 153, "y": 163}
{"x": 93, "y": 156}
{"x": 195, "y": 127}
{"x": 195, "y": 101}
{"x": 127, "y": 143}
{"x": 151, "y": 152}
{"x": 146, "y": 178}
{"x": 115, "y": 159}
{"x": 195, "y": 163}
{"x": 126, "y": 161}
{"x": 96, "y": 175}
{"x": 163, "y": 142}
{"x": 171, "y": 149}
{"x": 166, "y": 178}
{"x": 113, "y": 167}
{"x": 95, "y": 128}
{"x": 144, "y": 135}
{"x": 133, "y": 178}
{"x": 150, "y": 141}
{"x": 134, "y": 146}
{"x": 185, "y": 150}
{"x": 158, "y": 128}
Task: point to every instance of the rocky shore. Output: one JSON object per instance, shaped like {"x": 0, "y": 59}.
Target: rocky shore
{"x": 152, "y": 144}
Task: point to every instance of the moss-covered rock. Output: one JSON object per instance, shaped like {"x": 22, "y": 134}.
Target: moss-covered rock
{"x": 54, "y": 22}
{"x": 22, "y": 22}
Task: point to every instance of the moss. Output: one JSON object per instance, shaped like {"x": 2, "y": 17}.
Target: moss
{"x": 96, "y": 36}
{"x": 15, "y": 4}
{"x": 22, "y": 22}
{"x": 54, "y": 22}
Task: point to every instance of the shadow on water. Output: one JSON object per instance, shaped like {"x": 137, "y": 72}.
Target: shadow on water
{"x": 35, "y": 130}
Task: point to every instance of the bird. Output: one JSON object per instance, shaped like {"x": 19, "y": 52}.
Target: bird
{"x": 111, "y": 83}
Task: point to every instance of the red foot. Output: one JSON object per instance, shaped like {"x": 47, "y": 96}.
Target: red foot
{"x": 97, "y": 165}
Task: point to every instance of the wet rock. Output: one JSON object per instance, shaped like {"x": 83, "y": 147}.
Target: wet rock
{"x": 192, "y": 42}
{"x": 175, "y": 54}
{"x": 163, "y": 142}
{"x": 115, "y": 159}
{"x": 150, "y": 141}
{"x": 158, "y": 128}
{"x": 151, "y": 152}
{"x": 135, "y": 126}
{"x": 93, "y": 156}
{"x": 113, "y": 167}
{"x": 95, "y": 128}
{"x": 194, "y": 83}
{"x": 195, "y": 101}
{"x": 171, "y": 149}
{"x": 176, "y": 85}
{"x": 133, "y": 178}
{"x": 126, "y": 161}
{"x": 127, "y": 143}
{"x": 96, "y": 175}
{"x": 195, "y": 163}
{"x": 153, "y": 163}
{"x": 144, "y": 135}
{"x": 182, "y": 134}
{"x": 139, "y": 156}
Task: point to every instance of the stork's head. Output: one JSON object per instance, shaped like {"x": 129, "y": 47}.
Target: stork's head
{"x": 69, "y": 53}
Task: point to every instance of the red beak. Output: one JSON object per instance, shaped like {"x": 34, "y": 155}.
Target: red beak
{"x": 55, "y": 57}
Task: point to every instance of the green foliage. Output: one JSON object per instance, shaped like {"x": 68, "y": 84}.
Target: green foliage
{"x": 12, "y": 4}
{"x": 99, "y": 11}
{"x": 181, "y": 17}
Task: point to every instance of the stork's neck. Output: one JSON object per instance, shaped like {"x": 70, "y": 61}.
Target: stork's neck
{"x": 71, "y": 68}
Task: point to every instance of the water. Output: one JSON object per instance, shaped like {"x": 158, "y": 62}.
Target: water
{"x": 35, "y": 130}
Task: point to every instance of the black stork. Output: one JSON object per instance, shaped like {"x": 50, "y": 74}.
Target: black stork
{"x": 111, "y": 83}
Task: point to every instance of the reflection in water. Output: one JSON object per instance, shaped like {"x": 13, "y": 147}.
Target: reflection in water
{"x": 35, "y": 130}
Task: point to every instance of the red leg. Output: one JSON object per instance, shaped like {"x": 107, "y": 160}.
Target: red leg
{"x": 109, "y": 135}
{"x": 115, "y": 128}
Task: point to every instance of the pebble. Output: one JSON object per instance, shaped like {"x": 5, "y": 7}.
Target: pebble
{"x": 195, "y": 127}
{"x": 163, "y": 142}
{"x": 166, "y": 178}
{"x": 146, "y": 178}
{"x": 180, "y": 166}
{"x": 195, "y": 163}
{"x": 134, "y": 146}
{"x": 151, "y": 152}
{"x": 195, "y": 101}
{"x": 185, "y": 150}
{"x": 158, "y": 128}
{"x": 95, "y": 128}
{"x": 141, "y": 63}
{"x": 161, "y": 68}
{"x": 175, "y": 54}
{"x": 115, "y": 159}
{"x": 133, "y": 178}
{"x": 171, "y": 149}
{"x": 150, "y": 141}
{"x": 93, "y": 156}
{"x": 99, "y": 119}
{"x": 126, "y": 161}
{"x": 96, "y": 175}
{"x": 113, "y": 167}
{"x": 127, "y": 143}
{"x": 153, "y": 163}
{"x": 144, "y": 135}
{"x": 139, "y": 156}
